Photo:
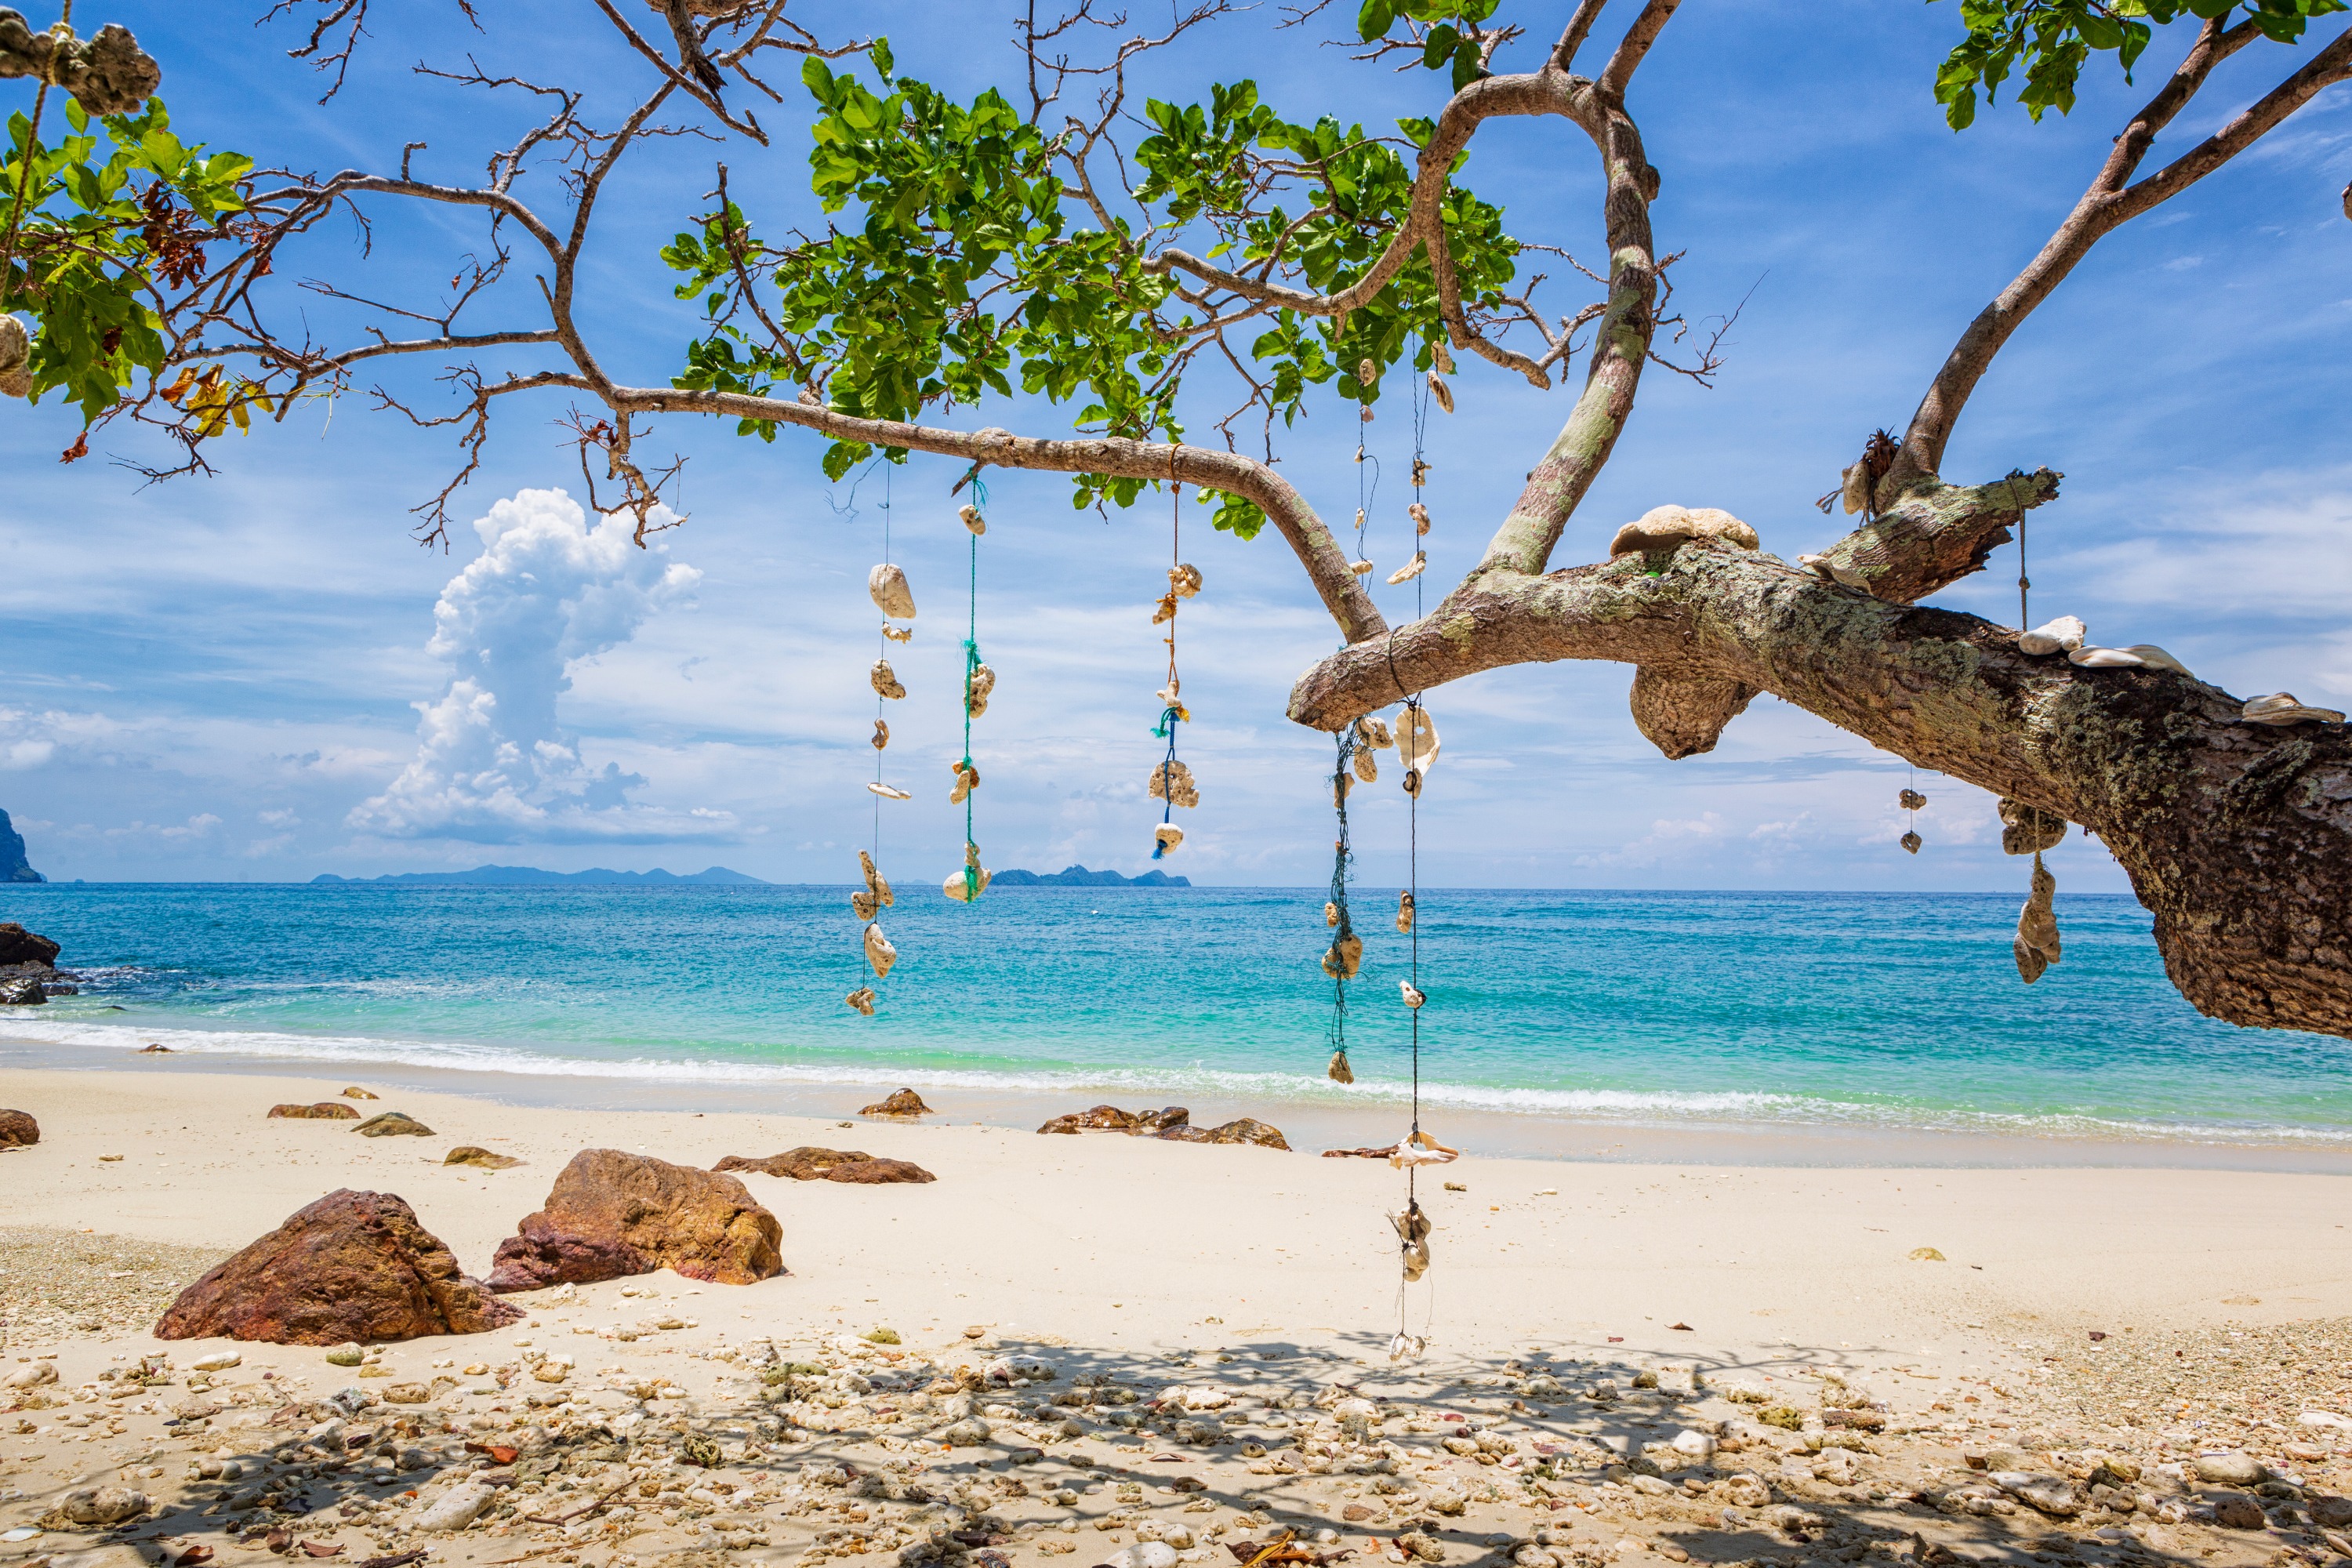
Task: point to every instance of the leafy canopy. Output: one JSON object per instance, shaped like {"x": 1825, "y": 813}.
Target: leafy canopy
{"x": 2050, "y": 40}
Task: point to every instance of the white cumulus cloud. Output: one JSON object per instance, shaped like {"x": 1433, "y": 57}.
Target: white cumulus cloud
{"x": 492, "y": 763}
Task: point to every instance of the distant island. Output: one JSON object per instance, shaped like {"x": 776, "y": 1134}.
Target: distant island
{"x": 530, "y": 875}
{"x": 1079, "y": 877}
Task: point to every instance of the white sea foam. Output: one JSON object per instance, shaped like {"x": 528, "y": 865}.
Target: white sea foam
{"x": 1631, "y": 1108}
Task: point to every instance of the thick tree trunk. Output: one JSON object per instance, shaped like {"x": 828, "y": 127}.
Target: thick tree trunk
{"x": 2237, "y": 836}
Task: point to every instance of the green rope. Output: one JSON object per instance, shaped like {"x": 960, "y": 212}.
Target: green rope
{"x": 972, "y": 668}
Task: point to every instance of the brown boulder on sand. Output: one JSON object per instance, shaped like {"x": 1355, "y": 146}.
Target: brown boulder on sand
{"x": 475, "y": 1154}
{"x": 1245, "y": 1130}
{"x": 1111, "y": 1119}
{"x": 325, "y": 1110}
{"x": 905, "y": 1103}
{"x": 18, "y": 1130}
{"x": 391, "y": 1124}
{"x": 612, "y": 1214}
{"x": 810, "y": 1163}
{"x": 352, "y": 1267}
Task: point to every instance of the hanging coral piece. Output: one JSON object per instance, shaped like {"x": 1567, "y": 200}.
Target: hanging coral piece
{"x": 1419, "y": 513}
{"x": 2028, "y": 829}
{"x": 875, "y": 884}
{"x": 898, "y": 633}
{"x": 1339, "y": 1072}
{"x": 1414, "y": 997}
{"x": 1440, "y": 391}
{"x": 862, "y": 999}
{"x": 1165, "y": 838}
{"x": 2036, "y": 947}
{"x": 891, "y": 594}
{"x": 865, "y": 905}
{"x": 1413, "y": 1230}
{"x": 1411, "y": 569}
{"x": 2061, "y": 636}
{"x": 2284, "y": 708}
{"x": 1360, "y": 568}
{"x": 887, "y": 792}
{"x": 886, "y": 681}
{"x": 1166, "y": 611}
{"x": 1911, "y": 842}
{"x": 1344, "y": 957}
{"x": 1184, "y": 581}
{"x": 879, "y": 952}
{"x": 1911, "y": 800}
{"x": 976, "y": 687}
{"x": 1417, "y": 746}
{"x": 881, "y": 734}
{"x": 1367, "y": 767}
{"x": 967, "y": 885}
{"x": 967, "y": 779}
{"x": 1173, "y": 781}
{"x": 973, "y": 519}
{"x": 1405, "y": 910}
{"x": 1373, "y": 731}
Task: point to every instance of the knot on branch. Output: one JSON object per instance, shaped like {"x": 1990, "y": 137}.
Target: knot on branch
{"x": 1682, "y": 715}
{"x": 1932, "y": 535}
{"x": 106, "y": 74}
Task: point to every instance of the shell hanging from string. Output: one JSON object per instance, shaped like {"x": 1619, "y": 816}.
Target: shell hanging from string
{"x": 887, "y": 585}
{"x": 966, "y": 885}
{"x": 1171, "y": 781}
{"x": 2028, "y": 830}
{"x": 1345, "y": 955}
{"x": 1911, "y": 800}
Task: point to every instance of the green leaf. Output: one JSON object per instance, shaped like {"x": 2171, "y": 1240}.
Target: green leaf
{"x": 1375, "y": 19}
{"x": 880, "y": 55}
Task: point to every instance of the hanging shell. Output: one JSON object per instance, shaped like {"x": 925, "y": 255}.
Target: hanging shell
{"x": 1420, "y": 515}
{"x": 1367, "y": 373}
{"x": 1367, "y": 767}
{"x": 1420, "y": 472}
{"x": 874, "y": 882}
{"x": 1173, "y": 781}
{"x": 1365, "y": 414}
{"x": 881, "y": 734}
{"x": 1442, "y": 355}
{"x": 1339, "y": 1072}
{"x": 1416, "y": 1262}
{"x": 1407, "y": 1347}
{"x": 1405, "y": 910}
{"x": 879, "y": 952}
{"x": 1417, "y": 746}
{"x": 1359, "y": 519}
{"x": 1911, "y": 842}
{"x": 1373, "y": 731}
{"x": 887, "y": 792}
{"x": 976, "y": 687}
{"x": 16, "y": 358}
{"x": 972, "y": 518}
{"x": 898, "y": 633}
{"x": 1165, "y": 837}
{"x": 2284, "y": 708}
{"x": 960, "y": 887}
{"x": 1331, "y": 914}
{"x": 2061, "y": 636}
{"x": 967, "y": 779}
{"x": 1184, "y": 580}
{"x": 885, "y": 680}
{"x": 1911, "y": 800}
{"x": 1413, "y": 994}
{"x": 888, "y": 583}
{"x": 1360, "y": 568}
{"x": 866, "y": 904}
{"x": 1440, "y": 391}
{"x": 1411, "y": 569}
{"x": 2104, "y": 658}
{"x": 1344, "y": 957}
{"x": 1166, "y": 610}
{"x": 2027, "y": 830}
{"x": 1855, "y": 488}
{"x": 862, "y": 999}
{"x": 2036, "y": 947}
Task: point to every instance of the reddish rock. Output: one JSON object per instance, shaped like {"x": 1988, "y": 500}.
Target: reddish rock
{"x": 18, "y": 945}
{"x": 875, "y": 1173}
{"x": 612, "y": 1214}
{"x": 1111, "y": 1119}
{"x": 352, "y": 1267}
{"x": 325, "y": 1110}
{"x": 807, "y": 1164}
{"x": 18, "y": 1130}
{"x": 905, "y": 1103}
{"x": 1244, "y": 1130}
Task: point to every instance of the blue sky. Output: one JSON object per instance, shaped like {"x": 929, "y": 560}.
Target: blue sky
{"x": 261, "y": 675}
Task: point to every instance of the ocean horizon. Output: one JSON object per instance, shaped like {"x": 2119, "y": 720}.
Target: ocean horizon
{"x": 1789, "y": 1012}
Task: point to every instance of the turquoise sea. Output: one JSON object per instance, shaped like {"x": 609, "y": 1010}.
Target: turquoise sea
{"x": 1638, "y": 1009}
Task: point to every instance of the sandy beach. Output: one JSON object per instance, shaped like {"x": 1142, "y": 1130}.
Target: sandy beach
{"x": 2049, "y": 1323}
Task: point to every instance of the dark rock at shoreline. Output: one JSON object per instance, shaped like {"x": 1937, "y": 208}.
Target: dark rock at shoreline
{"x": 879, "y": 1173}
{"x": 391, "y": 1124}
{"x": 1242, "y": 1130}
{"x": 1111, "y": 1119}
{"x": 612, "y": 1214}
{"x": 905, "y": 1102}
{"x": 20, "y": 946}
{"x": 21, "y": 991}
{"x": 18, "y": 1130}
{"x": 811, "y": 1164}
{"x": 352, "y": 1267}
{"x": 324, "y": 1110}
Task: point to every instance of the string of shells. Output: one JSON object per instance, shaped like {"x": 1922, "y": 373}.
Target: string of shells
{"x": 887, "y": 585}
{"x": 867, "y": 903}
{"x": 1911, "y": 800}
{"x": 1173, "y": 781}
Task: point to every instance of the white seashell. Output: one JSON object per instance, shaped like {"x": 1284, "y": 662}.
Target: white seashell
{"x": 1184, "y": 580}
{"x": 1407, "y": 1347}
{"x": 886, "y": 681}
{"x": 1367, "y": 767}
{"x": 1360, "y": 568}
{"x": 881, "y": 734}
{"x": 1416, "y": 1262}
{"x": 1331, "y": 914}
{"x": 2283, "y": 708}
{"x": 972, "y": 518}
{"x": 960, "y": 887}
{"x": 1440, "y": 391}
{"x": 1411, "y": 570}
{"x": 976, "y": 687}
{"x": 891, "y": 594}
{"x": 1166, "y": 610}
{"x": 1173, "y": 781}
{"x": 2155, "y": 657}
{"x": 1665, "y": 527}
{"x": 1344, "y": 957}
{"x": 898, "y": 633}
{"x": 2061, "y": 636}
{"x": 862, "y": 999}
{"x": 1855, "y": 488}
{"x": 879, "y": 952}
{"x": 1367, "y": 373}
{"x": 1359, "y": 519}
{"x": 1407, "y": 1156}
{"x": 1414, "y": 997}
{"x": 1339, "y": 1072}
{"x": 1405, "y": 910}
{"x": 887, "y": 793}
{"x": 1166, "y": 837}
{"x": 967, "y": 779}
{"x": 1171, "y": 694}
{"x": 1420, "y": 515}
{"x": 2104, "y": 658}
{"x": 1417, "y": 746}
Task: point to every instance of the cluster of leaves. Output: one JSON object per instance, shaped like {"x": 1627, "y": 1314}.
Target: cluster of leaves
{"x": 974, "y": 264}
{"x": 1451, "y": 38}
{"x": 2051, "y": 39}
{"x": 103, "y": 245}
